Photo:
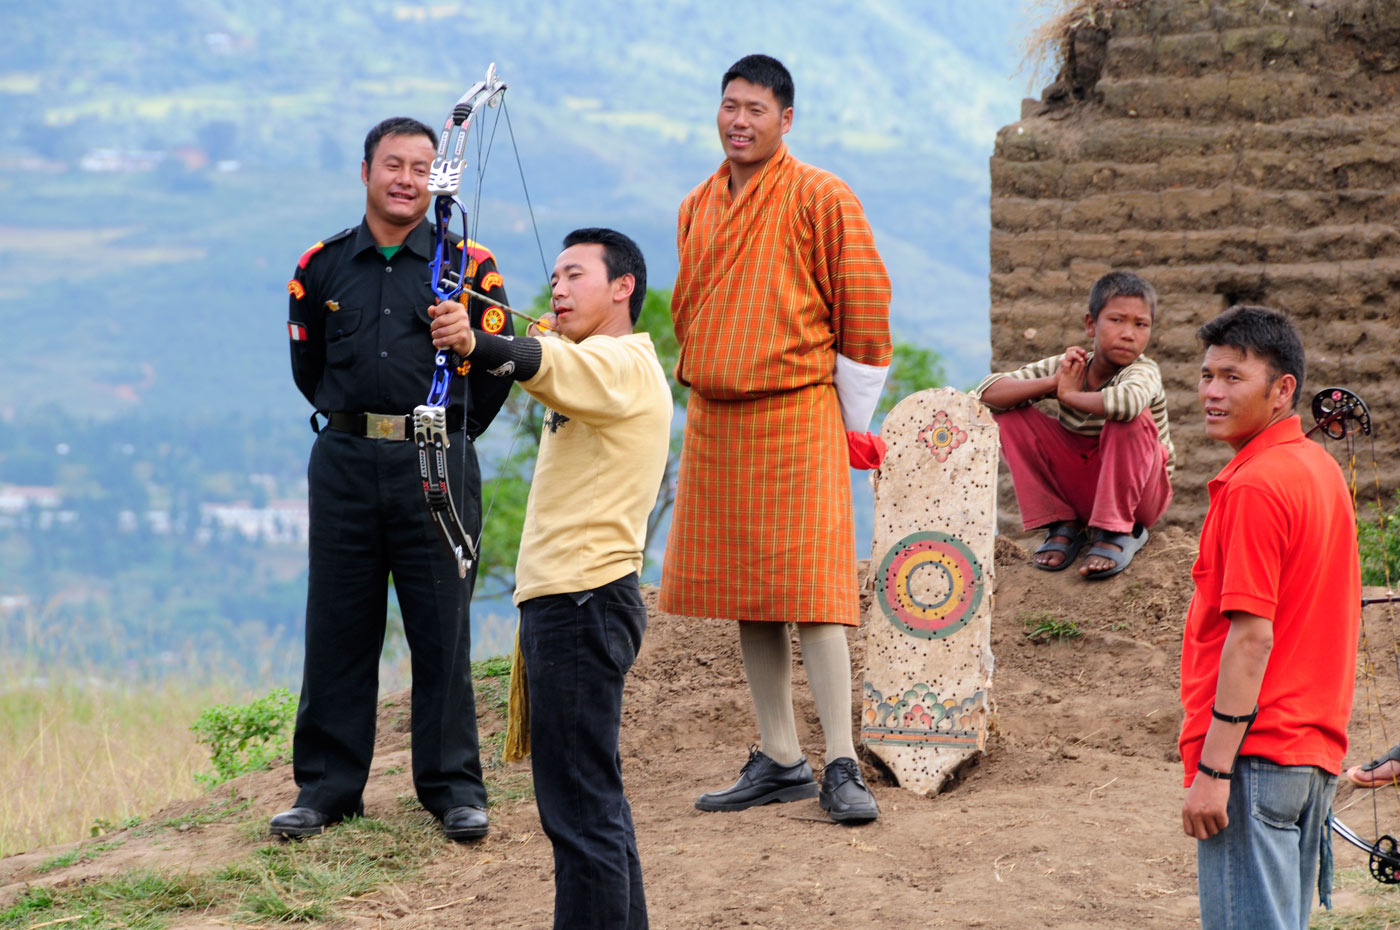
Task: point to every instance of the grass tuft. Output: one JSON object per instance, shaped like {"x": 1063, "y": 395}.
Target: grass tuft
{"x": 279, "y": 881}
{"x": 79, "y": 854}
{"x": 1043, "y": 625}
{"x": 1048, "y": 44}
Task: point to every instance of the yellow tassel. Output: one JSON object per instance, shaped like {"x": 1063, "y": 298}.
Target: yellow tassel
{"x": 518, "y": 715}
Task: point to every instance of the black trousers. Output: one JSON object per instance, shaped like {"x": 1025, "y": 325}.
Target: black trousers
{"x": 368, "y": 521}
{"x": 577, "y": 649}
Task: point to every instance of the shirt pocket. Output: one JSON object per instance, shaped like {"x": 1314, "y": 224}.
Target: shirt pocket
{"x": 340, "y": 328}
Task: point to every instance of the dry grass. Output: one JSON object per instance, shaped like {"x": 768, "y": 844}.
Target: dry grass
{"x": 73, "y": 753}
{"x": 1045, "y": 48}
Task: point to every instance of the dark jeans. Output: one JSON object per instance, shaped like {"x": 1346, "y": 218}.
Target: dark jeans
{"x": 577, "y": 649}
{"x": 368, "y": 521}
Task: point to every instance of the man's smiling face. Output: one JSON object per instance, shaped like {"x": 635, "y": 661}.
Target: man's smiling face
{"x": 751, "y": 123}
{"x": 396, "y": 182}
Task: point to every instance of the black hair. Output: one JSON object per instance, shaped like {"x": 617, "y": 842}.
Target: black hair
{"x": 1267, "y": 333}
{"x": 1121, "y": 284}
{"x": 765, "y": 71}
{"x": 621, "y": 256}
{"x": 396, "y": 126}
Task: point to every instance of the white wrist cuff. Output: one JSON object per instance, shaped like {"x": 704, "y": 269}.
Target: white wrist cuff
{"x": 858, "y": 388}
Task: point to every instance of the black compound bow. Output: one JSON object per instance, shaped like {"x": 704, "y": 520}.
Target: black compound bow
{"x": 1341, "y": 415}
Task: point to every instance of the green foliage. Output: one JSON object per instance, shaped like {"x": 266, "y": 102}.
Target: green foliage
{"x": 1043, "y": 625}
{"x": 913, "y": 369}
{"x": 1379, "y": 540}
{"x": 245, "y": 737}
{"x": 32, "y": 902}
{"x": 494, "y": 667}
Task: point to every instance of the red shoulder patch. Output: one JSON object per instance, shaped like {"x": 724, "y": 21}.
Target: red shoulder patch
{"x": 306, "y": 256}
{"x": 492, "y": 279}
{"x": 296, "y": 289}
{"x": 476, "y": 250}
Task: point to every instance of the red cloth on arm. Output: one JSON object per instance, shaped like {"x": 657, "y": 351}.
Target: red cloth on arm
{"x": 865, "y": 450}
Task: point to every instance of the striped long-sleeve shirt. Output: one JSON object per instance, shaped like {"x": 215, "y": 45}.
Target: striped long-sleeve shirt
{"x": 1135, "y": 388}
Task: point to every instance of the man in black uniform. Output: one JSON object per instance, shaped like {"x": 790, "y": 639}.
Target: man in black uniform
{"x": 361, "y": 305}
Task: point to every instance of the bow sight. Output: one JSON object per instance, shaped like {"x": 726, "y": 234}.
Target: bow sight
{"x": 430, "y": 418}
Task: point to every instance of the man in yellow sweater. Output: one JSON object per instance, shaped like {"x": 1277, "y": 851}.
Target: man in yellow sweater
{"x": 602, "y": 456}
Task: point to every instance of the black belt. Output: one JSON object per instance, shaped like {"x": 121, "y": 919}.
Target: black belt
{"x": 394, "y": 427}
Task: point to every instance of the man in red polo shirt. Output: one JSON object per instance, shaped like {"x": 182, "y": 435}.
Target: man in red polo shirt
{"x": 1269, "y": 655}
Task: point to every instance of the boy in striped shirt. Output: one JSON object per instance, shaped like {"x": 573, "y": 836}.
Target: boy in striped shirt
{"x": 1085, "y": 434}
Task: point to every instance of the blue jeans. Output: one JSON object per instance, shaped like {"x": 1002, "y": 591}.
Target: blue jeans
{"x": 577, "y": 650}
{"x": 1258, "y": 873}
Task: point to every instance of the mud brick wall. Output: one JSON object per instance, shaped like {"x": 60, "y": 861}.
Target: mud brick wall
{"x": 1234, "y": 151}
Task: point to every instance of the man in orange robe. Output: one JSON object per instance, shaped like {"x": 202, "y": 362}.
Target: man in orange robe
{"x": 781, "y": 308}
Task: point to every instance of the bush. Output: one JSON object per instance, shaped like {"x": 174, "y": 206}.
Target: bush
{"x": 245, "y": 737}
{"x": 1379, "y": 540}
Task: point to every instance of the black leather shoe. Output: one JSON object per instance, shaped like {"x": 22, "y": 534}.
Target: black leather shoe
{"x": 300, "y": 821}
{"x": 844, "y": 794}
{"x": 464, "y": 823}
{"x": 762, "y": 781}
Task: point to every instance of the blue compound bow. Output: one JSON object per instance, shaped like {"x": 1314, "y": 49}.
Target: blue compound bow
{"x": 448, "y": 281}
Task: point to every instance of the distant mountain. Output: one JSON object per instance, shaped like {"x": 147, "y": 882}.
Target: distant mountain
{"x": 161, "y": 166}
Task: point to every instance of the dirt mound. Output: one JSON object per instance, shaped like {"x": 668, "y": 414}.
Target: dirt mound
{"x": 1070, "y": 820}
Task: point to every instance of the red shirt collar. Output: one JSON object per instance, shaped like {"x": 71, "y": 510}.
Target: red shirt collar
{"x": 1289, "y": 430}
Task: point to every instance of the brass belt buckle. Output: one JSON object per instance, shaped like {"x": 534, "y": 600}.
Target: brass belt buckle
{"x": 384, "y": 426}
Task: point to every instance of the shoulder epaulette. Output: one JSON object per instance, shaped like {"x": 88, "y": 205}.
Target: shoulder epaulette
{"x": 306, "y": 256}
{"x": 478, "y": 252}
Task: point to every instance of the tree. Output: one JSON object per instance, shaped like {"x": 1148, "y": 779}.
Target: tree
{"x": 913, "y": 369}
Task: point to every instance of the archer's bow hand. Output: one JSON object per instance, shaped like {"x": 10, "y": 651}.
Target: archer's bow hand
{"x": 452, "y": 327}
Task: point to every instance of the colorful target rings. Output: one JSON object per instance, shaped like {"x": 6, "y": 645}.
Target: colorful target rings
{"x": 958, "y": 585}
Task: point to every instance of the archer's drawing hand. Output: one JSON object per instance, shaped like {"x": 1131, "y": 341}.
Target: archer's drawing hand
{"x": 452, "y": 327}
{"x": 546, "y": 328}
{"x": 1203, "y": 812}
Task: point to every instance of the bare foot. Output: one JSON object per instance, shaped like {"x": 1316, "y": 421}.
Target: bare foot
{"x": 1054, "y": 559}
{"x": 1099, "y": 563}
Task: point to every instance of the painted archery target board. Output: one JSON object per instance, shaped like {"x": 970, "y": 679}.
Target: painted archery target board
{"x": 928, "y": 654}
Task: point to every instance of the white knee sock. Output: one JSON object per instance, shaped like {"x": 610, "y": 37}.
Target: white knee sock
{"x": 827, "y": 659}
{"x": 767, "y": 651}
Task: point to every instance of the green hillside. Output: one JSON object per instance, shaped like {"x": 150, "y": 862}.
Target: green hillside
{"x": 162, "y": 167}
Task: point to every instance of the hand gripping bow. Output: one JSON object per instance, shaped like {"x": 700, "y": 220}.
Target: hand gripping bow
{"x": 430, "y": 418}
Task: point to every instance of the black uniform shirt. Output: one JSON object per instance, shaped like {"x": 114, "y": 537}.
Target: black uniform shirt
{"x": 358, "y": 326}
